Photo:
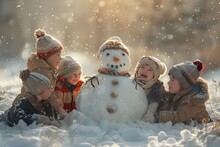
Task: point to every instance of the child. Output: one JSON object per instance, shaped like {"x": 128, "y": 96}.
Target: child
{"x": 189, "y": 94}
{"x": 33, "y": 106}
{"x": 148, "y": 70}
{"x": 45, "y": 61}
{"x": 69, "y": 83}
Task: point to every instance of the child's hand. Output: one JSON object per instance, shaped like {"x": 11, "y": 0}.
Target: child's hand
{"x": 62, "y": 113}
{"x": 55, "y": 123}
{"x": 42, "y": 119}
{"x": 149, "y": 117}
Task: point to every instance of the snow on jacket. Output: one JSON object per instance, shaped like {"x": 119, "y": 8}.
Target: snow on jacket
{"x": 36, "y": 64}
{"x": 187, "y": 105}
{"x": 67, "y": 93}
{"x": 25, "y": 108}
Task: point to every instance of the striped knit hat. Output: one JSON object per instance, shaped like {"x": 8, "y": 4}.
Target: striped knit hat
{"x": 46, "y": 44}
{"x": 113, "y": 43}
{"x": 187, "y": 73}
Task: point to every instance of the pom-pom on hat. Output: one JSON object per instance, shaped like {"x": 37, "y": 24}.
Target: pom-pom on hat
{"x": 113, "y": 43}
{"x": 46, "y": 44}
{"x": 33, "y": 82}
{"x": 187, "y": 73}
{"x": 68, "y": 66}
{"x": 158, "y": 67}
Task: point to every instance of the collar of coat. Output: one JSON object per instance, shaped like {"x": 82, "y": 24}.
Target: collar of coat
{"x": 199, "y": 92}
{"x": 63, "y": 84}
{"x": 113, "y": 72}
{"x": 34, "y": 63}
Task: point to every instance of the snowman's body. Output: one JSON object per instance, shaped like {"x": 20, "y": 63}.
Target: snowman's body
{"x": 113, "y": 97}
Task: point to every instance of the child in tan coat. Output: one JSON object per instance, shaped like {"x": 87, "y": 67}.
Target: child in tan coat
{"x": 188, "y": 94}
{"x": 45, "y": 61}
{"x": 69, "y": 83}
{"x": 148, "y": 70}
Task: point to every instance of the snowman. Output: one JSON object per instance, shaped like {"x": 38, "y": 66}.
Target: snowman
{"x": 112, "y": 94}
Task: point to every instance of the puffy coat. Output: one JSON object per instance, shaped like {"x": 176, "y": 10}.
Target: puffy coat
{"x": 187, "y": 105}
{"x": 25, "y": 108}
{"x": 36, "y": 64}
{"x": 67, "y": 93}
{"x": 156, "y": 93}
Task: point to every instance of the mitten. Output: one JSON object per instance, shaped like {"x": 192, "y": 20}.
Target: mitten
{"x": 42, "y": 119}
{"x": 55, "y": 123}
{"x": 61, "y": 113}
{"x": 149, "y": 115}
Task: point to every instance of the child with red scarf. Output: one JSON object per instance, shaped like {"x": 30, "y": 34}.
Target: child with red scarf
{"x": 69, "y": 83}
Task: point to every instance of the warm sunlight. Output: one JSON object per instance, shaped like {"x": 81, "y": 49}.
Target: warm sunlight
{"x": 109, "y": 73}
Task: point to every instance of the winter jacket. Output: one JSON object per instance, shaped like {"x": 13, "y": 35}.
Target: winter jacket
{"x": 26, "y": 108}
{"x": 67, "y": 93}
{"x": 36, "y": 64}
{"x": 156, "y": 93}
{"x": 187, "y": 105}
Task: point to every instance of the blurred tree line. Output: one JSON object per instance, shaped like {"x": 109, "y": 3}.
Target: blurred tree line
{"x": 174, "y": 30}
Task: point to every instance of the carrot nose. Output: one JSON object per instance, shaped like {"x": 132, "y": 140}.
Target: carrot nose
{"x": 116, "y": 59}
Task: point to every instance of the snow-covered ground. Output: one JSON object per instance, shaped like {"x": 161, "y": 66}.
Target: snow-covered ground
{"x": 80, "y": 130}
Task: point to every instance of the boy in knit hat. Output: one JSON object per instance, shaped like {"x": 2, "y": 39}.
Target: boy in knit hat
{"x": 147, "y": 72}
{"x": 46, "y": 59}
{"x": 188, "y": 94}
{"x": 69, "y": 83}
{"x": 33, "y": 106}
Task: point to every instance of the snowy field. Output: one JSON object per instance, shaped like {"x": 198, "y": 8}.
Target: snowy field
{"x": 79, "y": 130}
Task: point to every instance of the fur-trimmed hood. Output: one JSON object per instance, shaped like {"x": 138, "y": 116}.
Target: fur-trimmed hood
{"x": 34, "y": 63}
{"x": 200, "y": 90}
{"x": 189, "y": 104}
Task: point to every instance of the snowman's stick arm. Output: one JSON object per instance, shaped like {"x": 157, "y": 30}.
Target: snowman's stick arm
{"x": 91, "y": 80}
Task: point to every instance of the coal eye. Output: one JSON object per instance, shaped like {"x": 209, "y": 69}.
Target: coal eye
{"x": 107, "y": 54}
{"x": 123, "y": 54}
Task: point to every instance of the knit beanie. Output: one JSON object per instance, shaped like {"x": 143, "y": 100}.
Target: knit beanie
{"x": 187, "y": 73}
{"x": 113, "y": 43}
{"x": 33, "y": 82}
{"x": 158, "y": 67}
{"x": 68, "y": 66}
{"x": 46, "y": 44}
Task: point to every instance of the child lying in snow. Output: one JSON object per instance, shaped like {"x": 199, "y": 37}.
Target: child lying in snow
{"x": 188, "y": 94}
{"x": 34, "y": 105}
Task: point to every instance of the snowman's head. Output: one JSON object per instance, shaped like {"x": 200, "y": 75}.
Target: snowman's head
{"x": 117, "y": 60}
{"x": 114, "y": 55}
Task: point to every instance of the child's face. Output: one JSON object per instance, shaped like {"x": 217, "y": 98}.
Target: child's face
{"x": 54, "y": 60}
{"x": 46, "y": 94}
{"x": 74, "y": 78}
{"x": 145, "y": 72}
{"x": 174, "y": 85}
